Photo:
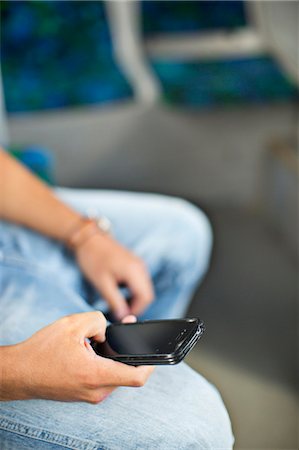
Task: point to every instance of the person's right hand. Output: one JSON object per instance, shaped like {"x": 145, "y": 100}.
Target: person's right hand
{"x": 58, "y": 363}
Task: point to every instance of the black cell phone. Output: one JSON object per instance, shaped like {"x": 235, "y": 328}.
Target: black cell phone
{"x": 151, "y": 342}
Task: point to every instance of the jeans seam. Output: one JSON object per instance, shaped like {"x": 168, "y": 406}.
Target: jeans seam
{"x": 44, "y": 435}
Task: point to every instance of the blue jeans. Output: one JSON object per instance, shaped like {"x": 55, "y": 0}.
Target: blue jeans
{"x": 40, "y": 282}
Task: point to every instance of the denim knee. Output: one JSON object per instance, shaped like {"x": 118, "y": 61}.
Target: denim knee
{"x": 189, "y": 414}
{"x": 191, "y": 239}
{"x": 204, "y": 423}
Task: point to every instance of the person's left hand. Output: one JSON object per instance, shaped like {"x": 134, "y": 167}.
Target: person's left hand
{"x": 107, "y": 264}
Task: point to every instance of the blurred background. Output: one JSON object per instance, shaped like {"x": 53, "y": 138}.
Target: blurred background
{"x": 197, "y": 99}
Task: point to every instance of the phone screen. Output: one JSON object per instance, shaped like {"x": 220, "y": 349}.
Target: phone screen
{"x": 146, "y": 338}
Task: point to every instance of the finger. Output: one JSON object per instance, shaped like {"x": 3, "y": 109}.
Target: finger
{"x": 142, "y": 291}
{"x": 129, "y": 319}
{"x": 138, "y": 305}
{"x": 89, "y": 325}
{"x": 109, "y": 290}
{"x": 119, "y": 374}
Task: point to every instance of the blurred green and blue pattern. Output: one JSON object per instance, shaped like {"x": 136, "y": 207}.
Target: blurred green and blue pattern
{"x": 57, "y": 54}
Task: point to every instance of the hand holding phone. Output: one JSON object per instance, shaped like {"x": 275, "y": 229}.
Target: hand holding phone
{"x": 152, "y": 342}
{"x": 42, "y": 366}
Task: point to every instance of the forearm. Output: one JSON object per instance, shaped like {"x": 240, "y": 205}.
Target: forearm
{"x": 25, "y": 200}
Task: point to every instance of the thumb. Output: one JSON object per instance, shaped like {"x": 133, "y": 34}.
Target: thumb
{"x": 90, "y": 325}
{"x": 118, "y": 304}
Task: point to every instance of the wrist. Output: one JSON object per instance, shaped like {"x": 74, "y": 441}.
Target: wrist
{"x": 84, "y": 229}
{"x": 13, "y": 378}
